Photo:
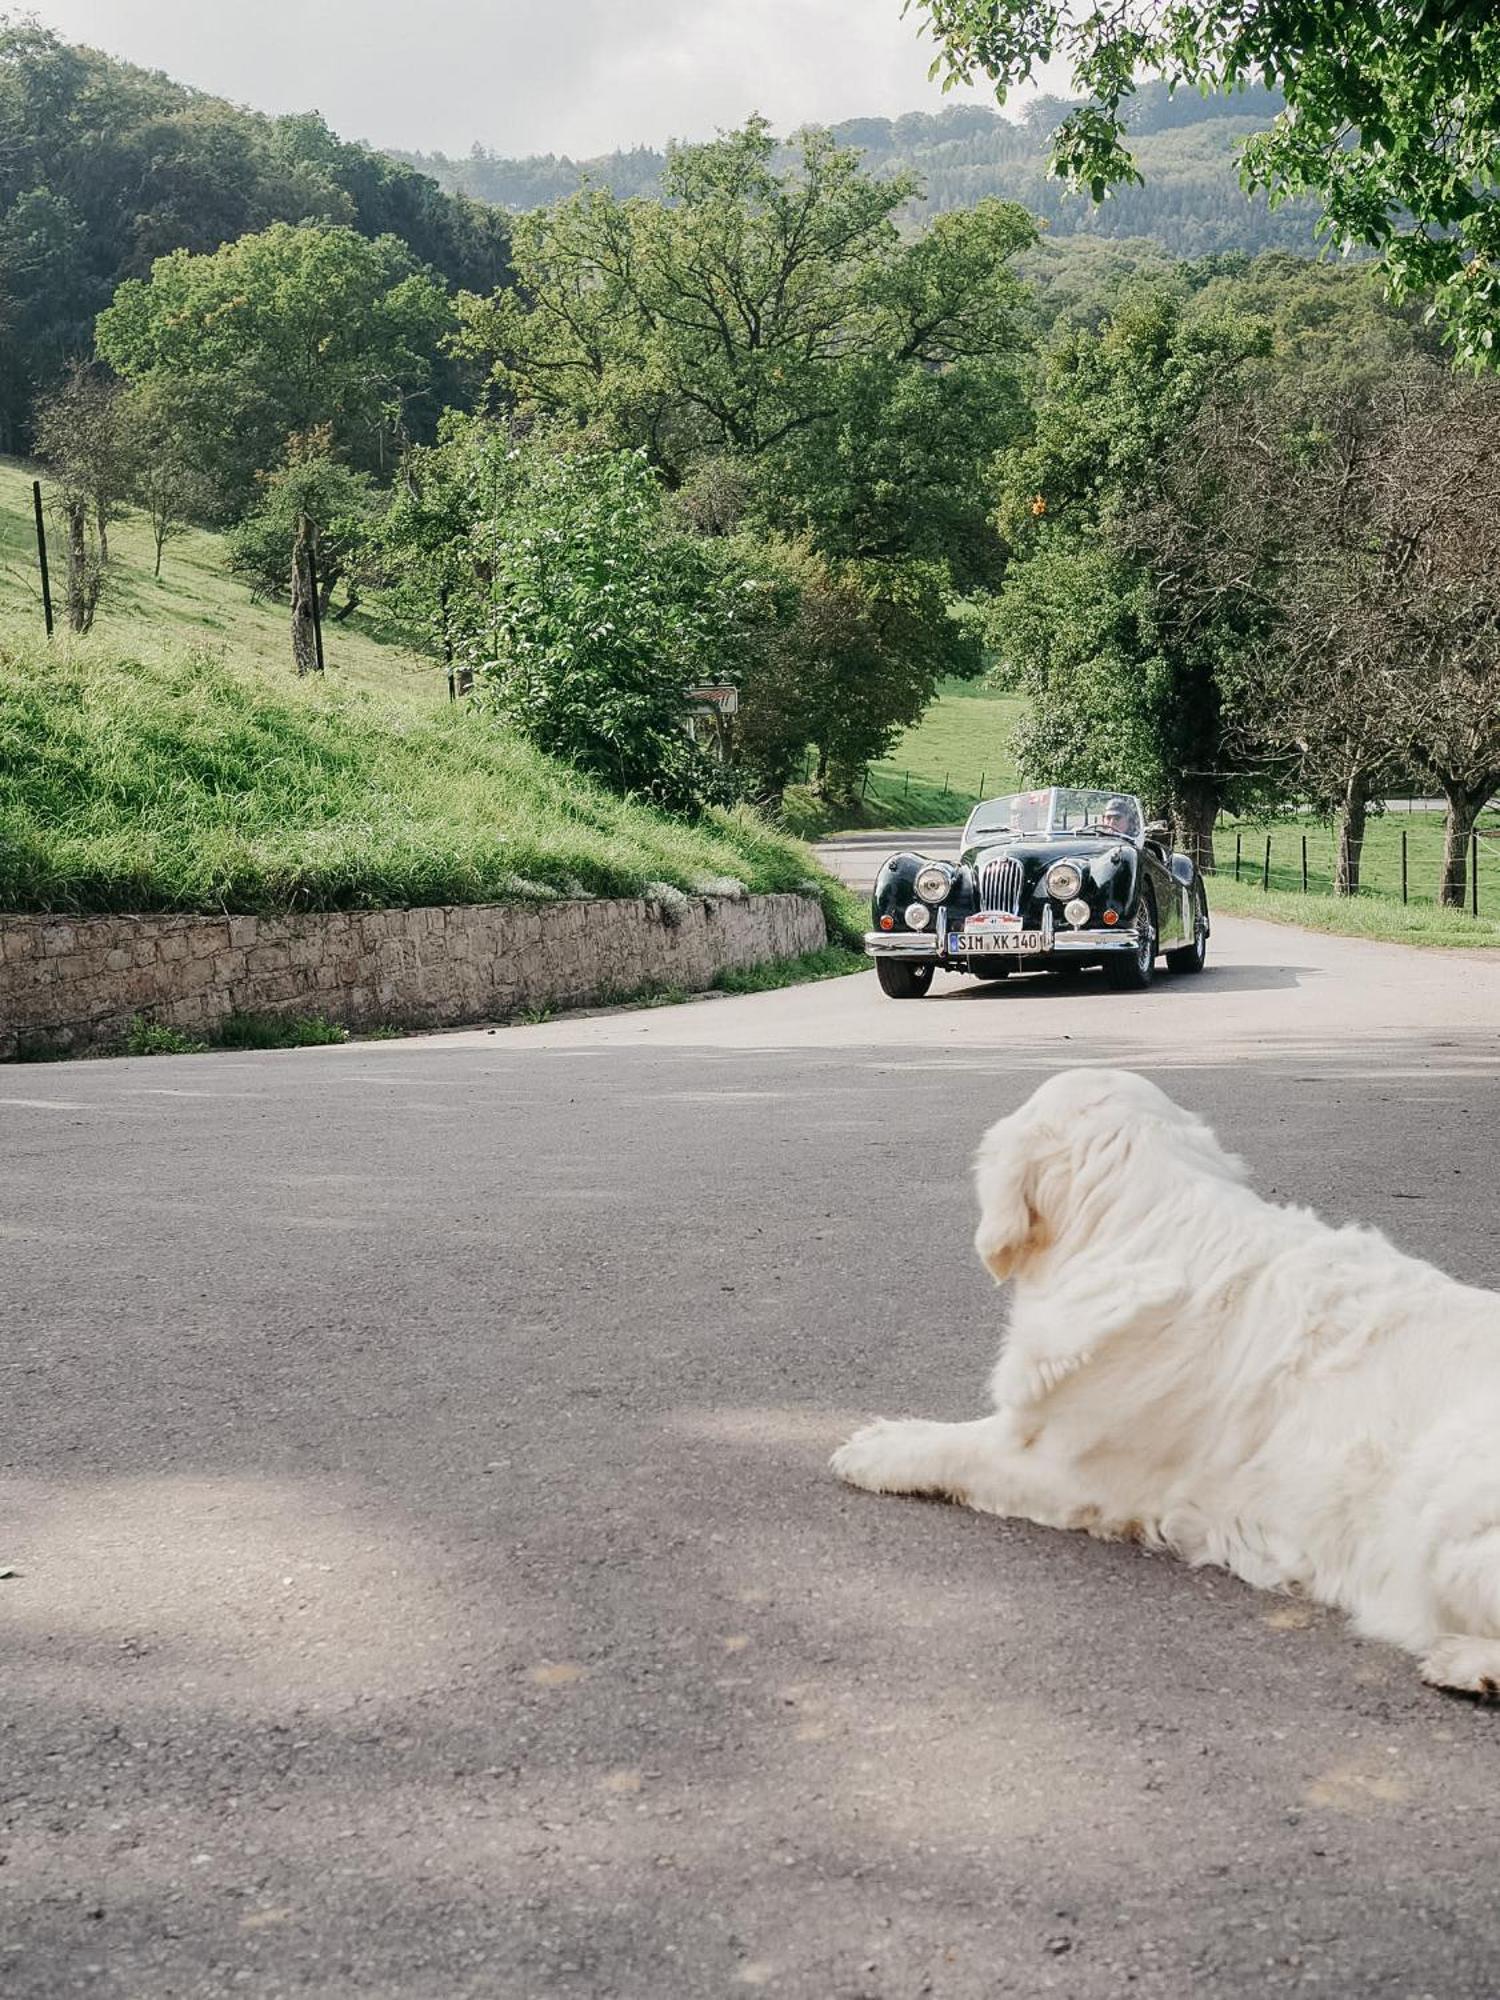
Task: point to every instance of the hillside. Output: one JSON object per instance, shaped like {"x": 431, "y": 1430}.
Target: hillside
{"x": 171, "y": 760}
{"x": 1191, "y": 204}
{"x": 105, "y": 167}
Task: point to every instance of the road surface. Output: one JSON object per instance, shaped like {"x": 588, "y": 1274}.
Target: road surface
{"x": 429, "y": 1584}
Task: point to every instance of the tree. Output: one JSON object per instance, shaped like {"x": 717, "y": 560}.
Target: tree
{"x": 279, "y": 333}
{"x": 1129, "y": 665}
{"x": 586, "y": 616}
{"x": 311, "y": 525}
{"x": 1389, "y": 115}
{"x": 83, "y": 431}
{"x": 777, "y": 316}
{"x": 1436, "y": 513}
{"x": 838, "y": 653}
{"x": 168, "y": 486}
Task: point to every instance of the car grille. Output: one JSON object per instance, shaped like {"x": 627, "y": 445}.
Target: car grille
{"x": 1000, "y": 886}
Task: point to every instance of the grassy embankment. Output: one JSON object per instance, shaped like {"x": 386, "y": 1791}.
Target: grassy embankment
{"x": 172, "y": 761}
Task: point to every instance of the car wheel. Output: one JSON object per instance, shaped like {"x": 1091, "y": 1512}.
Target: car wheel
{"x": 1192, "y": 957}
{"x": 903, "y": 980}
{"x": 995, "y": 967}
{"x": 1132, "y": 972}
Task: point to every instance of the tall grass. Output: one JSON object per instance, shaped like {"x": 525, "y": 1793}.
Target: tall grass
{"x": 132, "y": 780}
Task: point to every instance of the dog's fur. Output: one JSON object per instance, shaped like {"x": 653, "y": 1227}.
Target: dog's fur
{"x": 1191, "y": 1366}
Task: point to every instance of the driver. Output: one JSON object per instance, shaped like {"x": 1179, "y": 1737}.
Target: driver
{"x": 1120, "y": 816}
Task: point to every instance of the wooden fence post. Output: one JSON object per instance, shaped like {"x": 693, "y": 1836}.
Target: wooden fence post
{"x": 41, "y": 554}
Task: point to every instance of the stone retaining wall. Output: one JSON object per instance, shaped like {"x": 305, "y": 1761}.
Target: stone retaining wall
{"x": 75, "y": 983}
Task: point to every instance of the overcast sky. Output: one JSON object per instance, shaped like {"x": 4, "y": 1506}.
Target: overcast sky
{"x": 526, "y": 76}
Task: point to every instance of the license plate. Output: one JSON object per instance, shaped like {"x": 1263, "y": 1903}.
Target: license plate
{"x": 985, "y": 943}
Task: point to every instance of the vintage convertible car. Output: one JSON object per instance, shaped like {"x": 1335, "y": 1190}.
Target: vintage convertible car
{"x": 1045, "y": 880}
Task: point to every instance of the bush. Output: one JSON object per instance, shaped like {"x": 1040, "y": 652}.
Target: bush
{"x": 276, "y": 1031}
{"x": 587, "y": 617}
{"x": 153, "y": 1038}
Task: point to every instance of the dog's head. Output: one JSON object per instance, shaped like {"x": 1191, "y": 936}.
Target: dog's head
{"x": 1087, "y": 1138}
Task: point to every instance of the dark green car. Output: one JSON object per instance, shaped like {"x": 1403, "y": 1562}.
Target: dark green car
{"x": 1044, "y": 879}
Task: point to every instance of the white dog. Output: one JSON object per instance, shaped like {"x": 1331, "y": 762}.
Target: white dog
{"x": 1193, "y": 1367}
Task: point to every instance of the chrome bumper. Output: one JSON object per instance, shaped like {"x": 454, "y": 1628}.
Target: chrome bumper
{"x": 1123, "y": 937}
{"x": 901, "y": 944}
{"x": 924, "y": 944}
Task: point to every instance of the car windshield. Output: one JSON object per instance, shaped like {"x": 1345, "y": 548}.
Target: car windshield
{"x": 1058, "y": 809}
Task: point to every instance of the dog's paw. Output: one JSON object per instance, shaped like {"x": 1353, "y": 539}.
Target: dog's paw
{"x": 891, "y": 1456}
{"x": 1469, "y": 1666}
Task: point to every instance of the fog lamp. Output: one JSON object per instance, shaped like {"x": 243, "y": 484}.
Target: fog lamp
{"x": 918, "y": 916}
{"x": 1077, "y": 912}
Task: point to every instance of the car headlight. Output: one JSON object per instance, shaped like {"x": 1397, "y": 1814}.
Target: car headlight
{"x": 932, "y": 883}
{"x": 1064, "y": 879}
{"x": 918, "y": 916}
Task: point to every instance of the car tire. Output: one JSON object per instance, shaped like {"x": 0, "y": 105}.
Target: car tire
{"x": 1192, "y": 957}
{"x": 993, "y": 967}
{"x": 902, "y": 979}
{"x": 1133, "y": 971}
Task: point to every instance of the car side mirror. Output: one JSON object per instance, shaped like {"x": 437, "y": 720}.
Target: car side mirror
{"x": 1182, "y": 871}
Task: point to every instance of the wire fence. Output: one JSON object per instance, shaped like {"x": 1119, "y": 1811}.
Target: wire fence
{"x": 1280, "y": 860}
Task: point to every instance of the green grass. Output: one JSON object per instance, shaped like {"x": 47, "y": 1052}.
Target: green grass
{"x": 1377, "y": 912}
{"x": 153, "y": 1038}
{"x": 832, "y": 962}
{"x": 196, "y": 603}
{"x": 957, "y": 754}
{"x": 133, "y": 781}
{"x": 277, "y": 1031}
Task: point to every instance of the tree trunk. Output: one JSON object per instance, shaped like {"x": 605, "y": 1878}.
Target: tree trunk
{"x": 101, "y": 517}
{"x": 159, "y": 530}
{"x": 1351, "y": 837}
{"x": 304, "y": 638}
{"x": 83, "y": 567}
{"x": 1197, "y": 810}
{"x": 1465, "y": 803}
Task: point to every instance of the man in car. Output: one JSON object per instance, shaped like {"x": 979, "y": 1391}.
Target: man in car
{"x": 1120, "y": 816}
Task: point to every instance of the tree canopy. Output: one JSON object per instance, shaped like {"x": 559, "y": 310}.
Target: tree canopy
{"x": 284, "y": 332}
{"x": 777, "y": 316}
{"x": 1389, "y": 117}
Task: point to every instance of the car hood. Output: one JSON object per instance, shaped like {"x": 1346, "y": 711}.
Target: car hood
{"x": 1041, "y": 853}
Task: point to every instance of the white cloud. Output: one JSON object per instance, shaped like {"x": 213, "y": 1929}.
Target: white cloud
{"x": 523, "y": 76}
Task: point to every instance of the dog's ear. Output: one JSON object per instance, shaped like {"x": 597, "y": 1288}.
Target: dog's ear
{"x": 1007, "y": 1175}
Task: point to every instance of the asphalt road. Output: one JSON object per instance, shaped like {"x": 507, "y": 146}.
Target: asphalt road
{"x": 430, "y": 1584}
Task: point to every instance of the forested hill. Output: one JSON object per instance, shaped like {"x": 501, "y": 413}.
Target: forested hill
{"x": 1191, "y": 203}
{"x": 105, "y": 167}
